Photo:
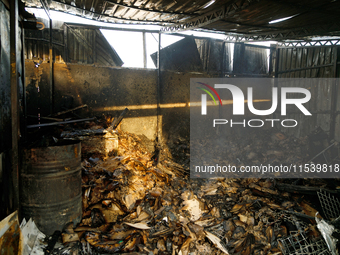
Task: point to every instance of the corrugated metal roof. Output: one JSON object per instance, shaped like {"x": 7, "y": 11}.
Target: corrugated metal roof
{"x": 247, "y": 18}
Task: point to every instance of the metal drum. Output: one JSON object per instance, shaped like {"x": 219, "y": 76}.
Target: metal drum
{"x": 51, "y": 186}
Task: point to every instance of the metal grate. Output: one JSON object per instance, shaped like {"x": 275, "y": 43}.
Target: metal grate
{"x": 298, "y": 244}
{"x": 330, "y": 205}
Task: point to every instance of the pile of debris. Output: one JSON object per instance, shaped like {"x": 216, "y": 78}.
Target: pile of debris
{"x": 134, "y": 202}
{"x": 138, "y": 197}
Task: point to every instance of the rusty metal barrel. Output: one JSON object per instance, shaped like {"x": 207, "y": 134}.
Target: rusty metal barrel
{"x": 50, "y": 187}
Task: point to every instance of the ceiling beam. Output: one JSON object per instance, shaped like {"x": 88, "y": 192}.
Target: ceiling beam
{"x": 312, "y": 43}
{"x": 298, "y": 33}
{"x": 111, "y": 17}
{"x": 148, "y": 9}
{"x": 210, "y": 17}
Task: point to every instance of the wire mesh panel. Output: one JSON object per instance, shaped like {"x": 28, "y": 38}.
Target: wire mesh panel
{"x": 330, "y": 205}
{"x": 299, "y": 244}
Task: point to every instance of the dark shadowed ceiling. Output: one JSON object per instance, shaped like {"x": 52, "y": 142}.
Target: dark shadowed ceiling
{"x": 248, "y": 19}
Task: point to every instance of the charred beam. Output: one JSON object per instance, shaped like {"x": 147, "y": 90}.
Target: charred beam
{"x": 14, "y": 42}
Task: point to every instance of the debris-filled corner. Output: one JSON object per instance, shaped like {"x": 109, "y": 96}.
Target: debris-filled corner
{"x": 136, "y": 198}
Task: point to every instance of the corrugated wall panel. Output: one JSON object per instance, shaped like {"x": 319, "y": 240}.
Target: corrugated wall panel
{"x": 292, "y": 59}
{"x": 250, "y": 59}
{"x": 311, "y": 62}
{"x": 216, "y": 56}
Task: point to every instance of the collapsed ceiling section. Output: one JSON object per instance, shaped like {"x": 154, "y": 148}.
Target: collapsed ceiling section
{"x": 241, "y": 19}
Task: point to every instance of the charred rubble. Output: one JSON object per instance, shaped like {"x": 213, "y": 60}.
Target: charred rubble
{"x": 138, "y": 202}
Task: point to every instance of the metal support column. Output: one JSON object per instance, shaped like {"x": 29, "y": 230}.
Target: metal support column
{"x": 14, "y": 39}
{"x": 23, "y": 125}
{"x": 223, "y": 60}
{"x": 276, "y": 75}
{"x": 144, "y": 51}
{"x": 159, "y": 124}
{"x": 277, "y": 62}
{"x": 51, "y": 83}
{"x": 51, "y": 69}
{"x": 65, "y": 44}
{"x": 272, "y": 51}
{"x": 94, "y": 47}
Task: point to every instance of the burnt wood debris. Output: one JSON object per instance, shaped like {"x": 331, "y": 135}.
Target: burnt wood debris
{"x": 138, "y": 197}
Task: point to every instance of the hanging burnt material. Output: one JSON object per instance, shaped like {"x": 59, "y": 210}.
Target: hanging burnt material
{"x": 51, "y": 186}
{"x": 180, "y": 56}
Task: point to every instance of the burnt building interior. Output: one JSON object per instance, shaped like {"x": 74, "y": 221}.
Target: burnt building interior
{"x": 95, "y": 156}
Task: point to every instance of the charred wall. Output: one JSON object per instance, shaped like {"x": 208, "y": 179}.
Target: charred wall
{"x": 5, "y": 88}
{"x": 108, "y": 90}
{"x": 5, "y": 110}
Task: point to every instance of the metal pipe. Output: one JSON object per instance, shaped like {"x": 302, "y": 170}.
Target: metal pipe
{"x": 317, "y": 155}
{"x": 305, "y": 68}
{"x": 70, "y": 110}
{"x": 44, "y": 40}
{"x": 44, "y": 118}
{"x": 59, "y": 123}
{"x": 46, "y": 9}
{"x": 111, "y": 28}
